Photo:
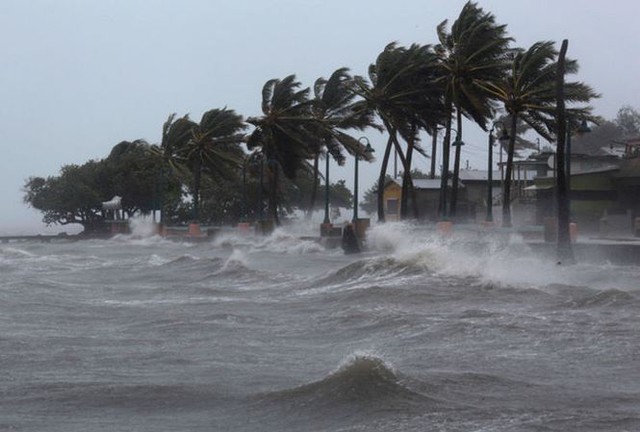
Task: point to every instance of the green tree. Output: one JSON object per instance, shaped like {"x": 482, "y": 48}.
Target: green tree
{"x": 73, "y": 197}
{"x": 472, "y": 55}
{"x": 287, "y": 133}
{"x": 132, "y": 171}
{"x": 528, "y": 93}
{"x": 402, "y": 92}
{"x": 628, "y": 119}
{"x": 210, "y": 147}
{"x": 605, "y": 134}
{"x": 335, "y": 105}
{"x": 136, "y": 173}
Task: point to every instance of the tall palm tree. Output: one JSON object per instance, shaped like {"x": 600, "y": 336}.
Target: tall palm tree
{"x": 471, "y": 54}
{"x": 287, "y": 133}
{"x": 401, "y": 93}
{"x": 211, "y": 146}
{"x": 528, "y": 93}
{"x": 334, "y": 104}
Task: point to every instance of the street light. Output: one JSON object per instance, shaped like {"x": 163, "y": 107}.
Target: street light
{"x": 504, "y": 136}
{"x": 243, "y": 214}
{"x": 260, "y": 203}
{"x": 326, "y": 192}
{"x": 458, "y": 143}
{"x": 367, "y": 151}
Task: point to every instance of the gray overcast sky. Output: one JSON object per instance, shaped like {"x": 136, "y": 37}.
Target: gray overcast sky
{"x": 79, "y": 76}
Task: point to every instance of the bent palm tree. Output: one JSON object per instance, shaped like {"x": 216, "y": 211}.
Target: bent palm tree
{"x": 528, "y": 93}
{"x": 471, "y": 55}
{"x": 401, "y": 92}
{"x": 287, "y": 134}
{"x": 211, "y": 146}
{"x": 334, "y": 105}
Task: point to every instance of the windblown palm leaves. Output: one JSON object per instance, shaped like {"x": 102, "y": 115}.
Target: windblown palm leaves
{"x": 528, "y": 93}
{"x": 472, "y": 55}
{"x": 211, "y": 146}
{"x": 404, "y": 94}
{"x": 335, "y": 106}
{"x": 287, "y": 134}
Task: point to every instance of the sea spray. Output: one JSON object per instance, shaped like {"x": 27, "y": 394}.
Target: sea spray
{"x": 495, "y": 260}
{"x": 142, "y": 227}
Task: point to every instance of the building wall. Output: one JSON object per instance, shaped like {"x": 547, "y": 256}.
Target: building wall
{"x": 428, "y": 201}
{"x": 591, "y": 195}
{"x": 391, "y": 196}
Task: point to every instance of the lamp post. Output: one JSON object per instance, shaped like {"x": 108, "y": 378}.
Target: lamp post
{"x": 367, "y": 150}
{"x": 260, "y": 203}
{"x": 504, "y": 136}
{"x": 326, "y": 220}
{"x": 458, "y": 143}
{"x": 243, "y": 214}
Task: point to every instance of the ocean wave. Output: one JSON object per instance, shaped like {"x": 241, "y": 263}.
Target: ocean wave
{"x": 11, "y": 253}
{"x": 116, "y": 395}
{"x": 372, "y": 269}
{"x": 363, "y": 379}
{"x": 186, "y": 262}
{"x": 282, "y": 242}
{"x": 609, "y": 297}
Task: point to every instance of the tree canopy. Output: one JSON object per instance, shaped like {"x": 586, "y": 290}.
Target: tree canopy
{"x": 210, "y": 170}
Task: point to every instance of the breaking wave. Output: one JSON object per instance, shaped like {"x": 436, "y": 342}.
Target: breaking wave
{"x": 362, "y": 379}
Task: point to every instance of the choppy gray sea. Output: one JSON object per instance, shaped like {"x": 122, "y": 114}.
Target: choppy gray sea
{"x": 278, "y": 334}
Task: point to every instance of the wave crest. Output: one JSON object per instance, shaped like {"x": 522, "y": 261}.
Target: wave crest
{"x": 362, "y": 379}
{"x": 609, "y": 297}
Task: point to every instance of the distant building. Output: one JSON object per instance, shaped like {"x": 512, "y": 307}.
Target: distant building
{"x": 472, "y": 196}
{"x": 427, "y": 197}
{"x": 604, "y": 187}
{"x": 605, "y": 190}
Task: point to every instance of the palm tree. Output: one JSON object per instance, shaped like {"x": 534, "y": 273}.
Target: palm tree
{"x": 401, "y": 92}
{"x": 287, "y": 134}
{"x": 471, "y": 55}
{"x": 528, "y": 94}
{"x": 334, "y": 105}
{"x": 211, "y": 146}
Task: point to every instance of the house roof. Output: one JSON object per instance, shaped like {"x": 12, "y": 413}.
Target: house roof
{"x": 428, "y": 183}
{"x": 424, "y": 184}
{"x": 477, "y": 175}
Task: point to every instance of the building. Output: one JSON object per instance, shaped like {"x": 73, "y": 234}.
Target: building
{"x": 472, "y": 196}
{"x": 605, "y": 190}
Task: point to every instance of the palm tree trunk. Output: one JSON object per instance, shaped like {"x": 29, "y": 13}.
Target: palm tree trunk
{"x": 273, "y": 193}
{"x": 383, "y": 175}
{"x": 407, "y": 169}
{"x": 314, "y": 188}
{"x": 444, "y": 179}
{"x": 565, "y": 251}
{"x": 434, "y": 145}
{"x": 408, "y": 190}
{"x": 506, "y": 193}
{"x": 456, "y": 164}
{"x": 197, "y": 179}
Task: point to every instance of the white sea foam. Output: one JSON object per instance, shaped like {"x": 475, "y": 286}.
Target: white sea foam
{"x": 498, "y": 260}
{"x": 143, "y": 226}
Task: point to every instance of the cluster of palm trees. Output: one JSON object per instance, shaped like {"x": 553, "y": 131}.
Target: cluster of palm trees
{"x": 472, "y": 72}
